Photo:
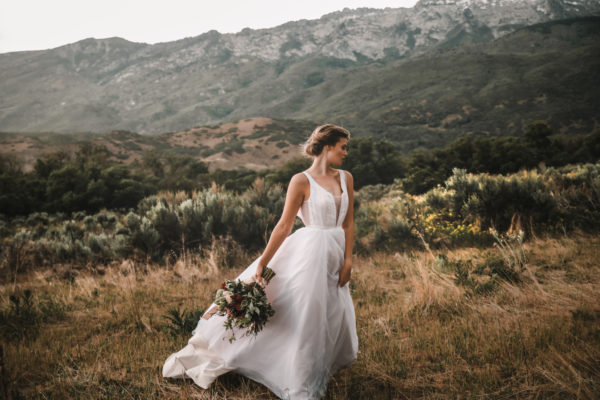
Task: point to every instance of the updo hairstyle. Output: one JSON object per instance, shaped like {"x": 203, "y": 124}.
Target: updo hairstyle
{"x": 324, "y": 135}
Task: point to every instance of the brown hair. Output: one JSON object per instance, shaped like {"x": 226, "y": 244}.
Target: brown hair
{"x": 324, "y": 135}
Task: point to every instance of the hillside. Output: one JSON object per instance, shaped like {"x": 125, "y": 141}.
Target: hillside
{"x": 112, "y": 84}
{"x": 253, "y": 143}
{"x": 546, "y": 72}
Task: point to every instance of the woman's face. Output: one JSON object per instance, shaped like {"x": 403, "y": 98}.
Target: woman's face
{"x": 337, "y": 153}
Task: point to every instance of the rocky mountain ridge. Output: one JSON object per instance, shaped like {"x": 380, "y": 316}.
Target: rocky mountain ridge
{"x": 102, "y": 85}
{"x": 348, "y": 34}
{"x": 547, "y": 72}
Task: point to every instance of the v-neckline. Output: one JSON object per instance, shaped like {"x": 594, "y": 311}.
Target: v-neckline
{"x": 331, "y": 194}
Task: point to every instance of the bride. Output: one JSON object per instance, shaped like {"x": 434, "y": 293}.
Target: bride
{"x": 313, "y": 332}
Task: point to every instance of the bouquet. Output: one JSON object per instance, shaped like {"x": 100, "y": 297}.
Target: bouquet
{"x": 244, "y": 303}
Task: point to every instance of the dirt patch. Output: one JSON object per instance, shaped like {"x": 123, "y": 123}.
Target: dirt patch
{"x": 467, "y": 109}
{"x": 246, "y": 127}
{"x": 540, "y": 99}
{"x": 268, "y": 155}
{"x": 450, "y": 118}
{"x": 210, "y": 137}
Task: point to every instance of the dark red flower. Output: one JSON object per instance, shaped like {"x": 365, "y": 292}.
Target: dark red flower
{"x": 239, "y": 297}
{"x": 223, "y": 286}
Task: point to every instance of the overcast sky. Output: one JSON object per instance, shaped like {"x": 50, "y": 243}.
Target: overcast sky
{"x": 44, "y": 24}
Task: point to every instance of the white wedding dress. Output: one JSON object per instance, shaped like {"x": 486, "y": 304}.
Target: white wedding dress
{"x": 313, "y": 331}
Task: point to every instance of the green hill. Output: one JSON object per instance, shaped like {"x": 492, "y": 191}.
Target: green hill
{"x": 548, "y": 72}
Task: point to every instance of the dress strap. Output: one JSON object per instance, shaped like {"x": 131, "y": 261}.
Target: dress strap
{"x": 310, "y": 178}
{"x": 312, "y": 181}
{"x": 343, "y": 181}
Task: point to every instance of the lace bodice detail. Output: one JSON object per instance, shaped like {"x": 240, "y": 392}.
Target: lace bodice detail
{"x": 321, "y": 210}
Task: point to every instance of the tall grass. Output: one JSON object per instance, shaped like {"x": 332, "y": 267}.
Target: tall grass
{"x": 421, "y": 334}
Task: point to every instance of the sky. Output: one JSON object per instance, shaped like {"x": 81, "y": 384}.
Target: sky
{"x": 44, "y": 24}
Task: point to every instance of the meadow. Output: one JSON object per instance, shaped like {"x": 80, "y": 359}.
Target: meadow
{"x": 424, "y": 332}
{"x": 485, "y": 287}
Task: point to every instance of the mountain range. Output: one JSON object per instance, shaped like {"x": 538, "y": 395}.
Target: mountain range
{"x": 418, "y": 76}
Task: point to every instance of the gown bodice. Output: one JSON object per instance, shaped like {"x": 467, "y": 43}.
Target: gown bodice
{"x": 320, "y": 209}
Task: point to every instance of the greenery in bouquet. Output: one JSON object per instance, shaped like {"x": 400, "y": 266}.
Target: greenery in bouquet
{"x": 245, "y": 304}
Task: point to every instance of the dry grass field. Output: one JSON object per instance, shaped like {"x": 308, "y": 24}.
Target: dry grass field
{"x": 426, "y": 329}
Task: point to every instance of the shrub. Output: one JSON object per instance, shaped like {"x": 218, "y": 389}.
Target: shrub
{"x": 72, "y": 231}
{"x": 182, "y": 323}
{"x": 15, "y": 254}
{"x": 107, "y": 219}
{"x": 496, "y": 200}
{"x": 146, "y": 239}
{"x": 475, "y": 280}
{"x": 458, "y": 213}
{"x": 100, "y": 246}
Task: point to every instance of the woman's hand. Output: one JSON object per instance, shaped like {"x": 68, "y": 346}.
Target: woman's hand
{"x": 345, "y": 274}
{"x": 258, "y": 274}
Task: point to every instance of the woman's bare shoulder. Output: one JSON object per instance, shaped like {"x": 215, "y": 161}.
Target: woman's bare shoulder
{"x": 299, "y": 179}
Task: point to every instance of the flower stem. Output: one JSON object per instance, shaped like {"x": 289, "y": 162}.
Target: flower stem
{"x": 268, "y": 274}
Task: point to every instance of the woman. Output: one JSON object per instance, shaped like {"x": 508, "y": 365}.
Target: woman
{"x": 313, "y": 331}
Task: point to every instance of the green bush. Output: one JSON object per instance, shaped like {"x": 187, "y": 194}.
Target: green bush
{"x": 182, "y": 323}
{"x": 462, "y": 210}
{"x": 455, "y": 214}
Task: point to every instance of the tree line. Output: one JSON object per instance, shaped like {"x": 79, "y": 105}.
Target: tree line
{"x": 90, "y": 181}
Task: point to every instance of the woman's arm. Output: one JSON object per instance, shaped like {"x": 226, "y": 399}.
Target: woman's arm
{"x": 348, "y": 226}
{"x": 293, "y": 201}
